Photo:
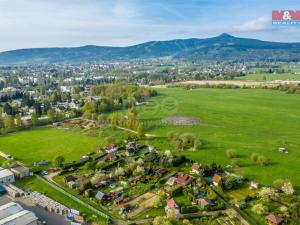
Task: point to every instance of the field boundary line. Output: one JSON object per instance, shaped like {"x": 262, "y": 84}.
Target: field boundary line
{"x": 135, "y": 132}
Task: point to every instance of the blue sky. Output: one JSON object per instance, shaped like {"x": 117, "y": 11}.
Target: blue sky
{"x": 58, "y": 23}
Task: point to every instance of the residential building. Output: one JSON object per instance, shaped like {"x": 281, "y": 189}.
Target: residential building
{"x": 69, "y": 178}
{"x": 84, "y": 158}
{"x": 274, "y": 220}
{"x": 171, "y": 181}
{"x": 254, "y": 185}
{"x": 204, "y": 203}
{"x": 183, "y": 178}
{"x": 172, "y": 205}
{"x": 217, "y": 179}
{"x": 196, "y": 168}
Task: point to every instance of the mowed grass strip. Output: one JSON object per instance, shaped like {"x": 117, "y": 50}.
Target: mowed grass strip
{"x": 47, "y": 143}
{"x": 34, "y": 184}
{"x": 245, "y": 120}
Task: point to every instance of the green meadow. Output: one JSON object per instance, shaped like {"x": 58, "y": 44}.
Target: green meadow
{"x": 245, "y": 120}
{"x": 47, "y": 143}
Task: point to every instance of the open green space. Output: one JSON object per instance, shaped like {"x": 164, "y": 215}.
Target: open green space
{"x": 270, "y": 77}
{"x": 33, "y": 184}
{"x": 2, "y": 160}
{"x": 259, "y": 219}
{"x": 245, "y": 120}
{"x": 46, "y": 144}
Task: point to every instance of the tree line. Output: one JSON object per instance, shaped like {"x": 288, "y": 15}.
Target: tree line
{"x": 113, "y": 97}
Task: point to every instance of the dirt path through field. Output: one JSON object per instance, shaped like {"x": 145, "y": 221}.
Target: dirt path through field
{"x": 239, "y": 83}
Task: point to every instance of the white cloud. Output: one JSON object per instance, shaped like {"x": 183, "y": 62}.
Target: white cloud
{"x": 63, "y": 23}
{"x": 261, "y": 24}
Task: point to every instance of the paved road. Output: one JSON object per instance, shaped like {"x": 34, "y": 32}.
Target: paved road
{"x": 43, "y": 215}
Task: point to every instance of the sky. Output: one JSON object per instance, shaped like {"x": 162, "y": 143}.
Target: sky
{"x": 68, "y": 23}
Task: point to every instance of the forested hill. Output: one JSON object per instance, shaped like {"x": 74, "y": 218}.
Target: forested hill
{"x": 221, "y": 48}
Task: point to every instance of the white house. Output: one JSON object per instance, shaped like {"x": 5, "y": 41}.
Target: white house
{"x": 6, "y": 176}
{"x": 254, "y": 185}
{"x": 171, "y": 181}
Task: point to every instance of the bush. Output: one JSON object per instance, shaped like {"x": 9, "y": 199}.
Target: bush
{"x": 267, "y": 194}
{"x": 260, "y": 209}
{"x": 90, "y": 166}
{"x": 176, "y": 191}
{"x": 63, "y": 172}
{"x": 178, "y": 160}
{"x": 185, "y": 141}
{"x": 288, "y": 188}
{"x": 278, "y": 184}
{"x": 189, "y": 209}
{"x": 219, "y": 205}
{"x": 236, "y": 163}
{"x": 231, "y": 153}
{"x": 211, "y": 195}
{"x": 262, "y": 160}
{"x": 100, "y": 164}
{"x": 254, "y": 157}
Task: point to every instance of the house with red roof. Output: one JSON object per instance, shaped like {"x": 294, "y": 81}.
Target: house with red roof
{"x": 172, "y": 205}
{"x": 204, "y": 203}
{"x": 111, "y": 148}
{"x": 196, "y": 168}
{"x": 217, "y": 180}
{"x": 274, "y": 220}
{"x": 183, "y": 178}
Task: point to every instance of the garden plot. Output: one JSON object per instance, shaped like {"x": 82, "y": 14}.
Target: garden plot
{"x": 142, "y": 203}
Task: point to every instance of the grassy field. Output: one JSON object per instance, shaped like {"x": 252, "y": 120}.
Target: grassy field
{"x": 246, "y": 120}
{"x": 33, "y": 184}
{"x": 269, "y": 77}
{"x": 47, "y": 143}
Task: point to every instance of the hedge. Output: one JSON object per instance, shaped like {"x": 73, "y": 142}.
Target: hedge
{"x": 189, "y": 209}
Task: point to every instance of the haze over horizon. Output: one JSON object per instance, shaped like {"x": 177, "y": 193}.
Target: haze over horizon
{"x": 66, "y": 23}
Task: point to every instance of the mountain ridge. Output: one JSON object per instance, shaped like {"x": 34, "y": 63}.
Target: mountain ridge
{"x": 223, "y": 47}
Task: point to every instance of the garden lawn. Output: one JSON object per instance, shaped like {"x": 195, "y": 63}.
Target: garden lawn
{"x": 245, "y": 120}
{"x": 47, "y": 143}
{"x": 259, "y": 219}
{"x": 239, "y": 194}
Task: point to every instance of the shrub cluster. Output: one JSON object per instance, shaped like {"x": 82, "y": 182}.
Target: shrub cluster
{"x": 184, "y": 141}
{"x": 260, "y": 159}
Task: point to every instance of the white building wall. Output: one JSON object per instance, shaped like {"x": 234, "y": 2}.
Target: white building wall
{"x": 6, "y": 176}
